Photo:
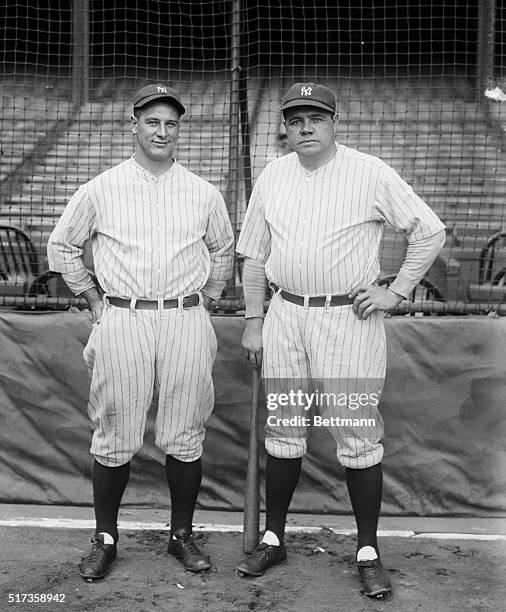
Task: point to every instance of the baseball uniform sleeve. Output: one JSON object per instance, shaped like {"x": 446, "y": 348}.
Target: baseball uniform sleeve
{"x": 255, "y": 236}
{"x": 419, "y": 257}
{"x": 397, "y": 204}
{"x": 254, "y": 283}
{"x": 78, "y": 281}
{"x": 75, "y": 226}
{"x": 219, "y": 240}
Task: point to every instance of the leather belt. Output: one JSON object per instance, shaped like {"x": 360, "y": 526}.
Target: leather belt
{"x": 188, "y": 302}
{"x": 319, "y": 300}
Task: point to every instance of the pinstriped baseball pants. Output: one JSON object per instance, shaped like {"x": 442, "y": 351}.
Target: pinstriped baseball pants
{"x": 332, "y": 352}
{"x": 132, "y": 352}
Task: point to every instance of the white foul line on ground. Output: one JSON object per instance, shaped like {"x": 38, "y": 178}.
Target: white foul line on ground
{"x": 61, "y": 523}
{"x": 460, "y": 536}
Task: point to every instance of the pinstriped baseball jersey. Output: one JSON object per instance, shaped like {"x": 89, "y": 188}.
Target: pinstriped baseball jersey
{"x": 153, "y": 237}
{"x": 319, "y": 232}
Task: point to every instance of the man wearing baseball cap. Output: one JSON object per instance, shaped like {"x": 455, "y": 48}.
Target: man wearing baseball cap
{"x": 163, "y": 249}
{"x": 313, "y": 229}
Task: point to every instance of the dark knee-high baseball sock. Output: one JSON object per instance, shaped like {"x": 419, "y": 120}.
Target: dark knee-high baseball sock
{"x": 281, "y": 478}
{"x": 184, "y": 479}
{"x": 365, "y": 489}
{"x": 109, "y": 484}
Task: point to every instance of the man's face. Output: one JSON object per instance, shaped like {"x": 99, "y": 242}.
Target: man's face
{"x": 157, "y": 128}
{"x": 310, "y": 131}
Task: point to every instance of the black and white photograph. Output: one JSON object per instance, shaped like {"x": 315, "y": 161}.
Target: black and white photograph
{"x": 252, "y": 289}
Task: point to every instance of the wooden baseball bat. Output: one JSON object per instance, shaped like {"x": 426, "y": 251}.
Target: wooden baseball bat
{"x": 251, "y": 525}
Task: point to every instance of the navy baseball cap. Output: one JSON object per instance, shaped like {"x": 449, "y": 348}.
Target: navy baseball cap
{"x": 158, "y": 91}
{"x": 309, "y": 94}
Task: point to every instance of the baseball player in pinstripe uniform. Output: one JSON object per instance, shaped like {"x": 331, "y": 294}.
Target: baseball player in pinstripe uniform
{"x": 163, "y": 248}
{"x": 313, "y": 229}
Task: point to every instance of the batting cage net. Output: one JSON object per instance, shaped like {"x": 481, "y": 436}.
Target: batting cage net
{"x": 418, "y": 83}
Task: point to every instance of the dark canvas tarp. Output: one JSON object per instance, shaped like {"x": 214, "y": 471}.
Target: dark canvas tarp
{"x": 443, "y": 406}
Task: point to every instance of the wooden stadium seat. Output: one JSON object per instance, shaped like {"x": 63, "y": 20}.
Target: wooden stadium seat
{"x": 19, "y": 268}
{"x": 491, "y": 286}
{"x": 19, "y": 265}
{"x": 493, "y": 258}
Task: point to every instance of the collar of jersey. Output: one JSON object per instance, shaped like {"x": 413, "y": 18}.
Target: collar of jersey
{"x": 151, "y": 176}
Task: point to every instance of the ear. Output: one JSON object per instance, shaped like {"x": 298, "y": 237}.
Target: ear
{"x": 133, "y": 122}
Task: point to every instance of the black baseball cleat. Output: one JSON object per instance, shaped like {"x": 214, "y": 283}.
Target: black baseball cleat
{"x": 96, "y": 564}
{"x": 183, "y": 547}
{"x": 263, "y": 557}
{"x": 374, "y": 578}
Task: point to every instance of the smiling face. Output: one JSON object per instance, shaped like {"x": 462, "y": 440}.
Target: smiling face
{"x": 157, "y": 127}
{"x": 310, "y": 132}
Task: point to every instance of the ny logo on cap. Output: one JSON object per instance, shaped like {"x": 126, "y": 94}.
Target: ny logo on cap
{"x": 306, "y": 91}
{"x": 161, "y": 89}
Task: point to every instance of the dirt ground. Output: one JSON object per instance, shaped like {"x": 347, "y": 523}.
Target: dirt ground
{"x": 428, "y": 575}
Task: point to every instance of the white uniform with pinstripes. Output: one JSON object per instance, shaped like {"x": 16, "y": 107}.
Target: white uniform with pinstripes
{"x": 153, "y": 238}
{"x": 318, "y": 233}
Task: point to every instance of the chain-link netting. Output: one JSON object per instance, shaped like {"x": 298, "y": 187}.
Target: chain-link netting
{"x": 418, "y": 84}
